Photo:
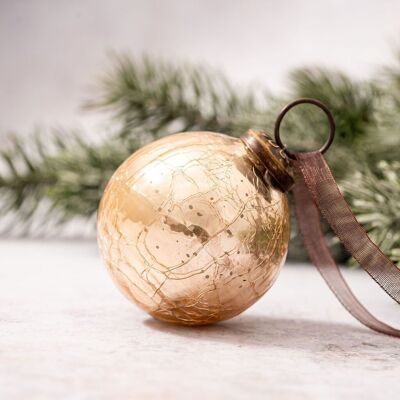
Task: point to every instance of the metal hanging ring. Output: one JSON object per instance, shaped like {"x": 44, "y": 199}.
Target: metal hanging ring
{"x": 314, "y": 102}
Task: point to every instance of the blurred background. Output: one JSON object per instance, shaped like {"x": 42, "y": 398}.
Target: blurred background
{"x": 53, "y": 51}
{"x": 86, "y": 83}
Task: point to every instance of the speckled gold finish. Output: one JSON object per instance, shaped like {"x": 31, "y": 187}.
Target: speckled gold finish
{"x": 189, "y": 231}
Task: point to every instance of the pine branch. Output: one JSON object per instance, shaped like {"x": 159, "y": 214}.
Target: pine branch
{"x": 160, "y": 98}
{"x": 352, "y": 103}
{"x": 23, "y": 178}
{"x": 56, "y": 177}
{"x": 82, "y": 172}
{"x": 148, "y": 99}
{"x": 375, "y": 199}
{"x": 383, "y": 142}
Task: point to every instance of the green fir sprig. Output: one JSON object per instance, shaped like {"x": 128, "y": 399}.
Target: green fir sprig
{"x": 375, "y": 199}
{"x": 60, "y": 176}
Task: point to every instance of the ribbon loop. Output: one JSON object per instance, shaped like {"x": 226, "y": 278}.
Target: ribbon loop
{"x": 316, "y": 192}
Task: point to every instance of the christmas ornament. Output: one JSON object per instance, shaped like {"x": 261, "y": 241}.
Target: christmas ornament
{"x": 194, "y": 227}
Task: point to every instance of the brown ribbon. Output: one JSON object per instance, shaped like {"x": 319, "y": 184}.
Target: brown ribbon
{"x": 316, "y": 192}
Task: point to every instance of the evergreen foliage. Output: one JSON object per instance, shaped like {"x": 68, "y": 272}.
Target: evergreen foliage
{"x": 62, "y": 175}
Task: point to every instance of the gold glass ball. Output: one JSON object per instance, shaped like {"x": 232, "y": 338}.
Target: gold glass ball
{"x": 190, "y": 231}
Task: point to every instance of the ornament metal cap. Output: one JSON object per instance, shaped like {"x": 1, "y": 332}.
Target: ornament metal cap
{"x": 272, "y": 158}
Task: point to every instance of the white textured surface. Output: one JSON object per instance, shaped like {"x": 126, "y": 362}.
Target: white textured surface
{"x": 66, "y": 332}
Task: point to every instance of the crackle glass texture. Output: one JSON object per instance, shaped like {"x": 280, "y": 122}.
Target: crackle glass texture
{"x": 189, "y": 230}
